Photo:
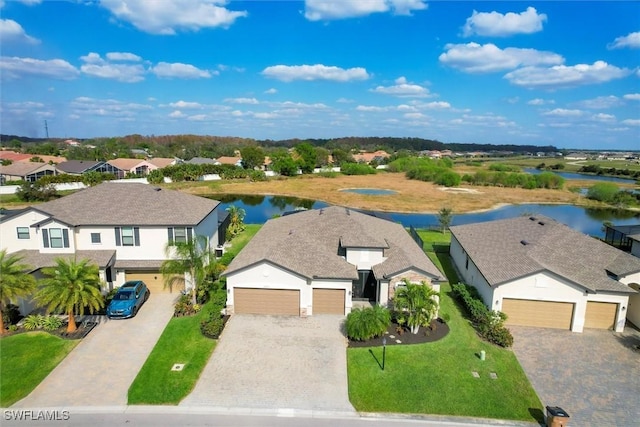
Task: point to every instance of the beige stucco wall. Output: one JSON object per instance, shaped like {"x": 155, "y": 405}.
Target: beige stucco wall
{"x": 633, "y": 307}
{"x": 364, "y": 258}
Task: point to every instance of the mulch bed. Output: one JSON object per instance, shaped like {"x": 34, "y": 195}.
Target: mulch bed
{"x": 436, "y": 331}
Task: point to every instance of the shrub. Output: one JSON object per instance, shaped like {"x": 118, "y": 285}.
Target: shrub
{"x": 448, "y": 179}
{"x": 51, "y": 323}
{"x": 33, "y": 321}
{"x": 10, "y": 314}
{"x": 184, "y": 306}
{"x": 255, "y": 176}
{"x": 366, "y": 323}
{"x": 213, "y": 326}
{"x": 356, "y": 169}
{"x": 603, "y": 192}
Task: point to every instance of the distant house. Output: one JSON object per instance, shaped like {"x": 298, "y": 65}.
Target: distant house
{"x": 132, "y": 166}
{"x": 321, "y": 261}
{"x": 542, "y": 273}
{"x": 202, "y": 161}
{"x": 378, "y": 156}
{"x": 79, "y": 167}
{"x": 26, "y": 171}
{"x": 576, "y": 156}
{"x": 22, "y": 157}
{"x": 123, "y": 228}
{"x": 226, "y": 160}
{"x": 162, "y": 162}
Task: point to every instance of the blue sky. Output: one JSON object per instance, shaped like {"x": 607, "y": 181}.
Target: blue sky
{"x": 563, "y": 73}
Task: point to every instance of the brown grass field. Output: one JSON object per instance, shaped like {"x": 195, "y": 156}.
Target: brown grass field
{"x": 412, "y": 196}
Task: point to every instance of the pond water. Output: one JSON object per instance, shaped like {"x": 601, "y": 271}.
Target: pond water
{"x": 585, "y": 177}
{"x": 587, "y": 220}
{"x": 369, "y": 191}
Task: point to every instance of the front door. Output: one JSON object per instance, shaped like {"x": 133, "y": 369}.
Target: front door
{"x": 364, "y": 289}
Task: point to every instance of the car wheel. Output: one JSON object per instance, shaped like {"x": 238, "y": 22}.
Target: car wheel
{"x": 134, "y": 312}
{"x": 146, "y": 296}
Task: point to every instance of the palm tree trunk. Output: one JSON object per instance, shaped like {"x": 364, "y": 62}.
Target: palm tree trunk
{"x": 2, "y": 331}
{"x": 71, "y": 325}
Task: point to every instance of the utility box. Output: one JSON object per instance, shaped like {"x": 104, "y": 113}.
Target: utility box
{"x": 557, "y": 417}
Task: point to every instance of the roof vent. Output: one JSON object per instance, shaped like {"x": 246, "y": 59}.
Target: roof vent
{"x": 348, "y": 212}
{"x": 290, "y": 232}
{"x": 532, "y": 218}
{"x": 321, "y": 211}
{"x": 158, "y": 189}
{"x": 541, "y": 222}
{"x": 524, "y": 242}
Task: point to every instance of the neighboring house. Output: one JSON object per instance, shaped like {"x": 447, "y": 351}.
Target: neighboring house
{"x": 624, "y": 237}
{"x": 26, "y": 171}
{"x": 123, "y": 227}
{"x": 364, "y": 157}
{"x": 576, "y": 156}
{"x": 320, "y": 261}
{"x": 79, "y": 167}
{"x": 542, "y": 273}
{"x": 226, "y": 160}
{"x": 20, "y": 157}
{"x": 202, "y": 161}
{"x": 163, "y": 162}
{"x": 132, "y": 166}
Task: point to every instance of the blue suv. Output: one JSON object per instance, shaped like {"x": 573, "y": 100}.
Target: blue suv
{"x": 128, "y": 299}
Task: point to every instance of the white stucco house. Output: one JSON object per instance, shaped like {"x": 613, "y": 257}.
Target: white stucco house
{"x": 542, "y": 273}
{"x": 321, "y": 261}
{"x": 123, "y": 228}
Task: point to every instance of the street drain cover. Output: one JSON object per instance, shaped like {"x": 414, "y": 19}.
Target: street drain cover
{"x": 177, "y": 367}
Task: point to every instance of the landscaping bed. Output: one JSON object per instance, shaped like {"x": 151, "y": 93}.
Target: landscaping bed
{"x": 436, "y": 331}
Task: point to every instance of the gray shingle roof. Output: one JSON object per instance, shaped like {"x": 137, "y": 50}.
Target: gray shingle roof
{"x": 307, "y": 243}
{"x": 38, "y": 260}
{"x": 507, "y": 249}
{"x": 131, "y": 204}
{"x": 77, "y": 166}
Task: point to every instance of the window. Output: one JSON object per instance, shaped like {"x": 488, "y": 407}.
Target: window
{"x": 466, "y": 263}
{"x": 95, "y": 238}
{"x": 55, "y": 237}
{"x": 23, "y": 232}
{"x": 127, "y": 236}
{"x": 179, "y": 234}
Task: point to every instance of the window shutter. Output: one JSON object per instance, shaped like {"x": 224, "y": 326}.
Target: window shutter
{"x": 118, "y": 236}
{"x": 136, "y": 236}
{"x": 189, "y": 233}
{"x": 45, "y": 237}
{"x": 170, "y": 235}
{"x": 65, "y": 238}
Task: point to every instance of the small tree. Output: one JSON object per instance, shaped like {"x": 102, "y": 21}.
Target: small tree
{"x": 15, "y": 281}
{"x": 187, "y": 257}
{"x": 415, "y": 305}
{"x": 36, "y": 192}
{"x": 445, "y": 216}
{"x": 236, "y": 221}
{"x": 71, "y": 286}
{"x": 252, "y": 157}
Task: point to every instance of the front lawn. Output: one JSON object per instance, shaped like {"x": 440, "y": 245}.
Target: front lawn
{"x": 436, "y": 378}
{"x": 181, "y": 342}
{"x": 26, "y": 359}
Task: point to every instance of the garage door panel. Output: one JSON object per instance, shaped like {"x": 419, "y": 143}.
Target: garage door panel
{"x": 266, "y": 301}
{"x": 153, "y": 279}
{"x": 600, "y": 315}
{"x": 543, "y": 314}
{"x": 328, "y": 301}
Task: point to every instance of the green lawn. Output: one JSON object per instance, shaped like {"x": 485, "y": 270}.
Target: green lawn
{"x": 180, "y": 342}
{"x": 25, "y": 360}
{"x": 436, "y": 378}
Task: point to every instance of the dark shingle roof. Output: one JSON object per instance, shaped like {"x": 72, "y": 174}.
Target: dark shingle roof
{"x": 112, "y": 203}
{"x": 77, "y": 166}
{"x": 507, "y": 249}
{"x": 38, "y": 260}
{"x": 308, "y": 242}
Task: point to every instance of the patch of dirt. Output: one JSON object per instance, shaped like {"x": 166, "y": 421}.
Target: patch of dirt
{"x": 436, "y": 331}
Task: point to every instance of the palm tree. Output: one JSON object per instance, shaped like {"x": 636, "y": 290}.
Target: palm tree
{"x": 71, "y": 286}
{"x": 188, "y": 257}
{"x": 236, "y": 220}
{"x": 415, "y": 304}
{"x": 15, "y": 281}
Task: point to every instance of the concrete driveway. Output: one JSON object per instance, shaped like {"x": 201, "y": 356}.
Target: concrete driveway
{"x": 99, "y": 371}
{"x": 280, "y": 363}
{"x": 594, "y": 376}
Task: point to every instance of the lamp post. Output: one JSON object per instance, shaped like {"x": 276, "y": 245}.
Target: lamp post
{"x": 384, "y": 351}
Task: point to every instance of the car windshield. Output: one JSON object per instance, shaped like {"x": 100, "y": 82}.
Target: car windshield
{"x": 124, "y": 295}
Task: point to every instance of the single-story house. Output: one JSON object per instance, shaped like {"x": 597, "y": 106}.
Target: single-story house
{"x": 79, "y": 167}
{"x": 321, "y": 261}
{"x": 123, "y": 227}
{"x": 202, "y": 161}
{"x": 163, "y": 162}
{"x": 133, "y": 166}
{"x": 228, "y": 160}
{"x": 26, "y": 171}
{"x": 543, "y": 273}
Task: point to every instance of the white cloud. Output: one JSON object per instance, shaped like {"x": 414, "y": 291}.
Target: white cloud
{"x": 497, "y": 24}
{"x": 265, "y": 115}
{"x": 167, "y": 17}
{"x": 403, "y": 89}
{"x": 563, "y": 112}
{"x": 123, "y": 56}
{"x": 562, "y": 76}
{"x": 540, "y": 101}
{"x": 601, "y": 102}
{"x": 15, "y": 68}
{"x": 185, "y": 104}
{"x": 97, "y": 67}
{"x": 242, "y": 101}
{"x": 107, "y": 107}
{"x": 371, "y": 108}
{"x": 179, "y": 70}
{"x": 271, "y": 91}
{"x": 177, "y": 114}
{"x": 324, "y": 10}
{"x": 345, "y": 100}
{"x": 11, "y": 31}
{"x": 631, "y": 122}
{"x": 197, "y": 118}
{"x": 439, "y": 105}
{"x": 632, "y": 96}
{"x": 631, "y": 41}
{"x": 31, "y": 2}
{"x": 476, "y": 58}
{"x": 601, "y": 117}
{"x": 288, "y": 73}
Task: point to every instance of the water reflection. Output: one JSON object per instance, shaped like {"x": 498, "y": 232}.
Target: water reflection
{"x": 584, "y": 177}
{"x": 587, "y": 220}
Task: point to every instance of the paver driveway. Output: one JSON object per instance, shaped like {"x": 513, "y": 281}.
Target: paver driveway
{"x": 594, "y": 376}
{"x": 277, "y": 363}
{"x": 99, "y": 371}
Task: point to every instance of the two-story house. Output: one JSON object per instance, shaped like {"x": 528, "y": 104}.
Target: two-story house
{"x": 122, "y": 227}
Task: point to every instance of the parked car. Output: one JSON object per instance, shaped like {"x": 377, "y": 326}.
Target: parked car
{"x": 128, "y": 299}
